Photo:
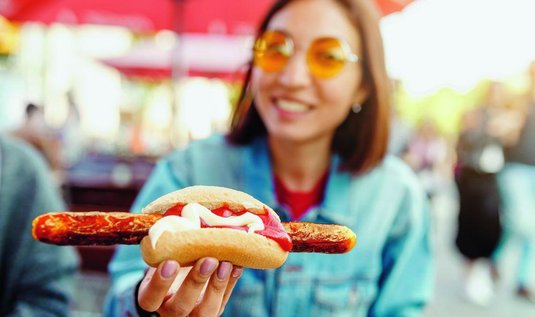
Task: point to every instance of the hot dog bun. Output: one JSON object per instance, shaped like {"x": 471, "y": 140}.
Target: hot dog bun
{"x": 211, "y": 197}
{"x": 244, "y": 249}
{"x": 239, "y": 247}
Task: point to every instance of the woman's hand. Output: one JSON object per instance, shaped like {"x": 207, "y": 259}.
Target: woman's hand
{"x": 202, "y": 290}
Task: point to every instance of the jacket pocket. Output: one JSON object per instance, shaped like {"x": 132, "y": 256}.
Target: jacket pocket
{"x": 247, "y": 301}
{"x": 341, "y": 297}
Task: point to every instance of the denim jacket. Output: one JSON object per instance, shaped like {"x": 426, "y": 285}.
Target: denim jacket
{"x": 388, "y": 273}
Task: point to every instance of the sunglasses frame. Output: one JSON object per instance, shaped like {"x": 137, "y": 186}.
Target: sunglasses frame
{"x": 349, "y": 55}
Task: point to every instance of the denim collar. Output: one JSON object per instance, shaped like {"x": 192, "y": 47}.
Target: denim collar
{"x": 336, "y": 204}
{"x": 258, "y": 182}
{"x": 1, "y": 164}
{"x": 257, "y": 171}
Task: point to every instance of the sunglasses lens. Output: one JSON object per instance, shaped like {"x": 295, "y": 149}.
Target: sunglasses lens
{"x": 272, "y": 51}
{"x": 326, "y": 57}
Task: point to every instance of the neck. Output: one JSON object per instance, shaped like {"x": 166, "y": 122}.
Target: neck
{"x": 300, "y": 166}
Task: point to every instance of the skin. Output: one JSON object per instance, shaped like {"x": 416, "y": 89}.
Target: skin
{"x": 305, "y": 137}
{"x": 203, "y": 290}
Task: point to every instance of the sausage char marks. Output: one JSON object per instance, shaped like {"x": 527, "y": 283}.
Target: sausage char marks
{"x": 92, "y": 228}
{"x": 320, "y": 238}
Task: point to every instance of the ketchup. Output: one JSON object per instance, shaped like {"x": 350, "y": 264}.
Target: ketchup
{"x": 273, "y": 229}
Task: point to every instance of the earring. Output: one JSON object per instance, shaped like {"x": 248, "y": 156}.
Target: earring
{"x": 356, "y": 108}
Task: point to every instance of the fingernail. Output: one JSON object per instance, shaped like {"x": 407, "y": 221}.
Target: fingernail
{"x": 237, "y": 272}
{"x": 208, "y": 266}
{"x": 169, "y": 268}
{"x": 224, "y": 270}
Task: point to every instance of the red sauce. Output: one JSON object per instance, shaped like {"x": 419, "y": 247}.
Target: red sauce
{"x": 273, "y": 229}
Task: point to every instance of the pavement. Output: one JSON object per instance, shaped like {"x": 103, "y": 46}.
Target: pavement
{"x": 91, "y": 287}
{"x": 448, "y": 298}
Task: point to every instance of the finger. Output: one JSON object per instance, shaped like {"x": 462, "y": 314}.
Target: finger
{"x": 184, "y": 300}
{"x": 213, "y": 297}
{"x": 156, "y": 284}
{"x": 234, "y": 277}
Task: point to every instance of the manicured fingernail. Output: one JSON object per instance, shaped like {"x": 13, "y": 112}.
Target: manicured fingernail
{"x": 208, "y": 266}
{"x": 237, "y": 272}
{"x": 224, "y": 270}
{"x": 169, "y": 268}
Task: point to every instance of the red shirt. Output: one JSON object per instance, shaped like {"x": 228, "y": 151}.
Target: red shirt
{"x": 298, "y": 203}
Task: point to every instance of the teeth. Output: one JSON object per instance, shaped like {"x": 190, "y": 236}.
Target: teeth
{"x": 292, "y": 106}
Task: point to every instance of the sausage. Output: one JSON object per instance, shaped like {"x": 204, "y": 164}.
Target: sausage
{"x": 108, "y": 228}
{"x": 320, "y": 238}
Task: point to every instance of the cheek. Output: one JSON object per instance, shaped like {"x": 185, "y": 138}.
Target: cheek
{"x": 343, "y": 89}
{"x": 339, "y": 96}
{"x": 261, "y": 80}
{"x": 260, "y": 86}
{"x": 260, "y": 89}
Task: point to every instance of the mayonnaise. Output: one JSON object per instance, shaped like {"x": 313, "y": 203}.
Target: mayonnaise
{"x": 191, "y": 219}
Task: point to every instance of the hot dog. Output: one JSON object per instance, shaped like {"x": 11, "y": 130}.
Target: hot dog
{"x": 107, "y": 228}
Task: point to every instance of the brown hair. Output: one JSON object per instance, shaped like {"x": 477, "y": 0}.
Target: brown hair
{"x": 362, "y": 139}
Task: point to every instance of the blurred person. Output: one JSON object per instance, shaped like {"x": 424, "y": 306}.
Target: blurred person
{"x": 36, "y": 279}
{"x": 309, "y": 138}
{"x": 479, "y": 158}
{"x": 517, "y": 187}
{"x": 426, "y": 153}
{"x": 72, "y": 140}
{"x": 401, "y": 132}
{"x": 35, "y": 132}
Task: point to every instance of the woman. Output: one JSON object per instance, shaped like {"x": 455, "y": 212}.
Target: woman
{"x": 308, "y": 138}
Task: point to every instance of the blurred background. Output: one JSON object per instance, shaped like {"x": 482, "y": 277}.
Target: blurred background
{"x": 105, "y": 88}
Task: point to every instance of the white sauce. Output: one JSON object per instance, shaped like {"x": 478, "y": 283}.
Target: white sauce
{"x": 191, "y": 219}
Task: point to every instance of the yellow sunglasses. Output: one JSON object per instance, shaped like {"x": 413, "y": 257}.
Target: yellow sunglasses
{"x": 325, "y": 57}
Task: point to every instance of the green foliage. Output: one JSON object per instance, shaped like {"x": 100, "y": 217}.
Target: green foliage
{"x": 445, "y": 107}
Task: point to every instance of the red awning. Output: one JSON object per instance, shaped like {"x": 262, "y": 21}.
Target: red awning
{"x": 195, "y": 16}
{"x": 138, "y": 15}
{"x": 198, "y": 16}
{"x": 390, "y": 6}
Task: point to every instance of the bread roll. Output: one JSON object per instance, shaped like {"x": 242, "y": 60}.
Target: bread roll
{"x": 241, "y": 248}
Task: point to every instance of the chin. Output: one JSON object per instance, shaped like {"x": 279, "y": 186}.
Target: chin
{"x": 289, "y": 137}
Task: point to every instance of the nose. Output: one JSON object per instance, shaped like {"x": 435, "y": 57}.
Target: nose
{"x": 296, "y": 73}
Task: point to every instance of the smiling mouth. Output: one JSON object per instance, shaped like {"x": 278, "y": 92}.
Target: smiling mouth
{"x": 292, "y": 106}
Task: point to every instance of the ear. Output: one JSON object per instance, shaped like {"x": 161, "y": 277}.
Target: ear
{"x": 361, "y": 94}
